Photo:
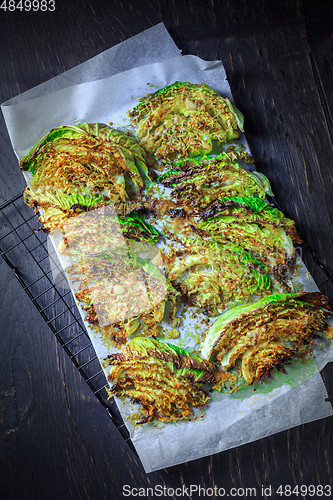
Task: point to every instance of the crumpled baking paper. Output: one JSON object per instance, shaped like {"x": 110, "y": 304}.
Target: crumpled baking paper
{"x": 103, "y": 89}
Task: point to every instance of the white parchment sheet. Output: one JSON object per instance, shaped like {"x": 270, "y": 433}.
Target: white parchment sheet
{"x": 89, "y": 94}
{"x": 153, "y": 45}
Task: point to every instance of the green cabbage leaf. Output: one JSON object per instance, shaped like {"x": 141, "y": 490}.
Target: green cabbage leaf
{"x": 167, "y": 381}
{"x": 290, "y": 320}
{"x": 184, "y": 120}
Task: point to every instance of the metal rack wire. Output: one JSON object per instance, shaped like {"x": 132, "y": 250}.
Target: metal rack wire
{"x": 42, "y": 278}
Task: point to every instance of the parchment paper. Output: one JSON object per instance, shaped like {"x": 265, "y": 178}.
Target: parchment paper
{"x": 230, "y": 420}
{"x": 153, "y": 45}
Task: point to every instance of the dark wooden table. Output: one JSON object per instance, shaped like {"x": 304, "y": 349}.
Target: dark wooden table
{"x": 56, "y": 440}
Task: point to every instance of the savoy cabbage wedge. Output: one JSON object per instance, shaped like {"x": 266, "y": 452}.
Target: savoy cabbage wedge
{"x": 265, "y": 333}
{"x": 87, "y": 164}
{"x": 254, "y": 224}
{"x": 198, "y": 183}
{"x": 184, "y": 120}
{"x": 167, "y": 381}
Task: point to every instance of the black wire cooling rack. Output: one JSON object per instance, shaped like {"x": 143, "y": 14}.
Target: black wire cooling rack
{"x": 35, "y": 264}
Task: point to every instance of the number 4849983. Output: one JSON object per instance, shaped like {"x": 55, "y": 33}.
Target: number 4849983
{"x": 26, "y": 5}
{"x": 303, "y": 490}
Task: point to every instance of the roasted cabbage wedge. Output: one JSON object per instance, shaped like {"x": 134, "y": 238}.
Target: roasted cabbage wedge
{"x": 119, "y": 270}
{"x": 211, "y": 273}
{"x": 121, "y": 294}
{"x": 254, "y": 224}
{"x": 184, "y": 120}
{"x": 198, "y": 183}
{"x": 167, "y": 381}
{"x": 76, "y": 168}
{"x": 101, "y": 230}
{"x": 266, "y": 333}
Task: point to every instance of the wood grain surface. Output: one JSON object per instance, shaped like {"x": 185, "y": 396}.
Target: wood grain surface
{"x": 56, "y": 439}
